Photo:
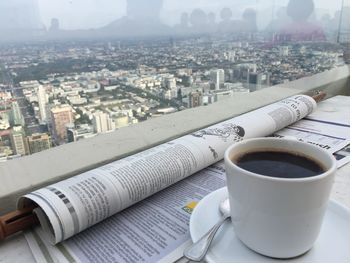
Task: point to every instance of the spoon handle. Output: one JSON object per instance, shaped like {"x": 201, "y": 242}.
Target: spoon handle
{"x": 198, "y": 250}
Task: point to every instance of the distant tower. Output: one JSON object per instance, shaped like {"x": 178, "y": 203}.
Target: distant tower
{"x": 102, "y": 122}
{"x": 42, "y": 100}
{"x": 39, "y": 142}
{"x": 61, "y": 116}
{"x": 172, "y": 42}
{"x": 195, "y": 99}
{"x": 284, "y": 51}
{"x": 55, "y": 25}
{"x": 16, "y": 115}
{"x": 118, "y": 45}
{"x": 170, "y": 83}
{"x": 18, "y": 142}
{"x": 110, "y": 47}
{"x": 81, "y": 132}
{"x": 218, "y": 78}
{"x": 258, "y": 81}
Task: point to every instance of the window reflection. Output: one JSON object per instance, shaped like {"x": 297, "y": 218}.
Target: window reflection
{"x": 73, "y": 69}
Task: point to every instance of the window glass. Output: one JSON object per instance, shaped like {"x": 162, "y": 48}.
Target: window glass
{"x": 74, "y": 69}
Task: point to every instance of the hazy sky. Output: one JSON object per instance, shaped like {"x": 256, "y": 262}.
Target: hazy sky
{"x": 75, "y": 14}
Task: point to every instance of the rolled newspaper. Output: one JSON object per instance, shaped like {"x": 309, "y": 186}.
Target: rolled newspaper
{"x": 73, "y": 205}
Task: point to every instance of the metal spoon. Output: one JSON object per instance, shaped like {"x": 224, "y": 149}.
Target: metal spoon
{"x": 198, "y": 250}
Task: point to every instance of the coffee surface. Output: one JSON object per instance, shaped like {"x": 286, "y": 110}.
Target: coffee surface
{"x": 279, "y": 164}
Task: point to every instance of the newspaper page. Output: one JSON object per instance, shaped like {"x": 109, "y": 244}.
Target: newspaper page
{"x": 71, "y": 206}
{"x": 328, "y": 128}
{"x": 149, "y": 231}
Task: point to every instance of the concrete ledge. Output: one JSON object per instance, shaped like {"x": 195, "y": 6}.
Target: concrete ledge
{"x": 32, "y": 172}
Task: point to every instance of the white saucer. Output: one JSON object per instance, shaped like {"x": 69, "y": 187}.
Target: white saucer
{"x": 333, "y": 244}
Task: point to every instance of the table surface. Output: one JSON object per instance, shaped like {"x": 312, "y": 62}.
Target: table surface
{"x": 16, "y": 248}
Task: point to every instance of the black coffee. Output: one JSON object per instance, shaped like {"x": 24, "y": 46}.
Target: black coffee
{"x": 279, "y": 164}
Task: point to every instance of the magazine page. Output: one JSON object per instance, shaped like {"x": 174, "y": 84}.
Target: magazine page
{"x": 71, "y": 206}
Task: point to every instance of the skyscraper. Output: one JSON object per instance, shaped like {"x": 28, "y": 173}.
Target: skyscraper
{"x": 18, "y": 142}
{"x": 16, "y": 115}
{"x": 257, "y": 81}
{"x": 39, "y": 142}
{"x": 102, "y": 122}
{"x": 61, "y": 116}
{"x": 81, "y": 132}
{"x": 217, "y": 77}
{"x": 42, "y": 100}
{"x": 195, "y": 99}
{"x": 55, "y": 25}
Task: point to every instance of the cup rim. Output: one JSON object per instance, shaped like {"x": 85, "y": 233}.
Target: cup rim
{"x": 328, "y": 172}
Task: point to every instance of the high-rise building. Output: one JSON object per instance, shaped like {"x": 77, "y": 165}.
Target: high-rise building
{"x": 61, "y": 116}
{"x": 43, "y": 104}
{"x": 102, "y": 122}
{"x": 257, "y": 81}
{"x": 170, "y": 83}
{"x": 218, "y": 78}
{"x": 231, "y": 56}
{"x": 195, "y": 99}
{"x": 39, "y": 142}
{"x": 55, "y": 25}
{"x": 118, "y": 45}
{"x": 171, "y": 91}
{"x": 110, "y": 46}
{"x": 18, "y": 142}
{"x": 16, "y": 115}
{"x": 83, "y": 131}
{"x": 241, "y": 72}
{"x": 284, "y": 51}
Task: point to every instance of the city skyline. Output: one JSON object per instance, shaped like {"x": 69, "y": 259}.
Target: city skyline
{"x": 59, "y": 86}
{"x": 59, "y": 93}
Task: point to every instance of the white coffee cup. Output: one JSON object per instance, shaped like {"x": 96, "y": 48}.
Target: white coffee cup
{"x": 278, "y": 217}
